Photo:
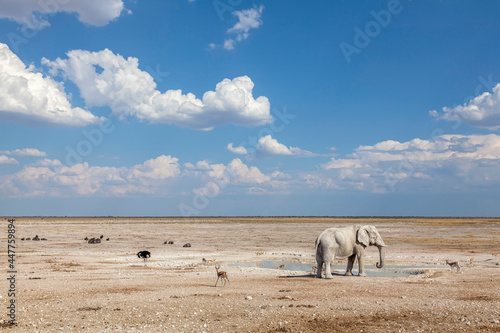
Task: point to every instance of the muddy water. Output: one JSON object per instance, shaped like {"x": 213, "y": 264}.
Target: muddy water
{"x": 370, "y": 270}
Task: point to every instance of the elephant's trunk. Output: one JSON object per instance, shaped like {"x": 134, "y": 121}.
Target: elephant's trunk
{"x": 381, "y": 250}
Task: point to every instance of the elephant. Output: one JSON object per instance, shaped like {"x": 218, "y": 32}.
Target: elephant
{"x": 349, "y": 242}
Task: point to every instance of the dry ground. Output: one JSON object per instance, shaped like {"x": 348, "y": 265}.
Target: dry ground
{"x": 65, "y": 284}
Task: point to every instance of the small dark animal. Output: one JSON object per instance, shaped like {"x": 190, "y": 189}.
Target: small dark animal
{"x": 94, "y": 240}
{"x": 107, "y": 239}
{"x": 144, "y": 255}
{"x": 28, "y": 238}
{"x": 36, "y": 238}
{"x": 102, "y": 236}
{"x": 170, "y": 242}
{"x": 186, "y": 245}
{"x": 22, "y": 238}
{"x": 86, "y": 238}
{"x": 43, "y": 239}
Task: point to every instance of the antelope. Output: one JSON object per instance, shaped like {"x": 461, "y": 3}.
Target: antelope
{"x": 495, "y": 254}
{"x": 471, "y": 260}
{"x": 259, "y": 253}
{"x": 315, "y": 269}
{"x": 259, "y": 264}
{"x": 282, "y": 267}
{"x": 208, "y": 261}
{"x": 453, "y": 264}
{"x": 221, "y": 275}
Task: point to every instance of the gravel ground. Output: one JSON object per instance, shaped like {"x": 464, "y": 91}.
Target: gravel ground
{"x": 65, "y": 284}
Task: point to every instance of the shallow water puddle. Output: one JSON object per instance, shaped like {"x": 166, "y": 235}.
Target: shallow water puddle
{"x": 370, "y": 270}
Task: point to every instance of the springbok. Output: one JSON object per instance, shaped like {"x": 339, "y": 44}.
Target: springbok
{"x": 453, "y": 264}
{"x": 221, "y": 275}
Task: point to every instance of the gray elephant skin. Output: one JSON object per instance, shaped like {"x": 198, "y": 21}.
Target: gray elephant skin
{"x": 350, "y": 243}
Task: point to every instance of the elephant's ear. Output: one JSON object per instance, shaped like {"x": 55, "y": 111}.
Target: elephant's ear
{"x": 363, "y": 237}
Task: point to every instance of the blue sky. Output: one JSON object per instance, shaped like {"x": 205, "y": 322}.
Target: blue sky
{"x": 232, "y": 107}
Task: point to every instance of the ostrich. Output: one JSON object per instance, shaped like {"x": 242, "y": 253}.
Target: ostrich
{"x": 144, "y": 255}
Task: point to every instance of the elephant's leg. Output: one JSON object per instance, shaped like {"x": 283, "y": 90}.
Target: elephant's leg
{"x": 319, "y": 271}
{"x": 328, "y": 256}
{"x": 328, "y": 269}
{"x": 350, "y": 265}
{"x": 319, "y": 263}
{"x": 361, "y": 262}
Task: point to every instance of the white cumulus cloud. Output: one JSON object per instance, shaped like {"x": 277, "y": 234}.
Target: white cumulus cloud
{"x": 448, "y": 161}
{"x": 52, "y": 178}
{"x": 481, "y": 111}
{"x": 267, "y": 146}
{"x": 7, "y": 160}
{"x": 108, "y": 79}
{"x": 91, "y": 12}
{"x": 237, "y": 150}
{"x": 30, "y": 98}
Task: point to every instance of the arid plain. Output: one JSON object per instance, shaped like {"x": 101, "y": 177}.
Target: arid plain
{"x": 65, "y": 284}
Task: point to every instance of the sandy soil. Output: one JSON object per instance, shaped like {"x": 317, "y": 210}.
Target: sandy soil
{"x": 66, "y": 284}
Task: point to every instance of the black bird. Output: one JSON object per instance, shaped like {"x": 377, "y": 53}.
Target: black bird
{"x": 144, "y": 255}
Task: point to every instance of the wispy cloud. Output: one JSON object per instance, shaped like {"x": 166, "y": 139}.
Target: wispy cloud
{"x": 248, "y": 19}
{"x": 25, "y": 152}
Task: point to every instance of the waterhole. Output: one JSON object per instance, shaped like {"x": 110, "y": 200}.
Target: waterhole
{"x": 370, "y": 270}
